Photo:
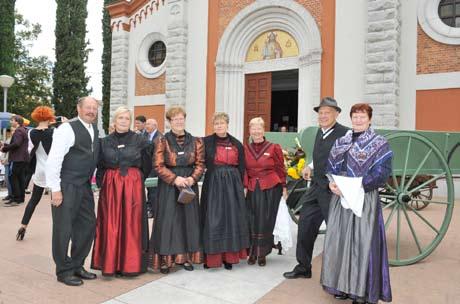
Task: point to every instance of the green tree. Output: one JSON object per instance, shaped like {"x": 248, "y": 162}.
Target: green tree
{"x": 106, "y": 65}
{"x": 32, "y": 85}
{"x": 69, "y": 77}
{"x": 7, "y": 37}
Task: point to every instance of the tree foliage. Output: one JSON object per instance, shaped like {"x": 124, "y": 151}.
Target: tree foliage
{"x": 7, "y": 37}
{"x": 106, "y": 64}
{"x": 69, "y": 77}
{"x": 32, "y": 86}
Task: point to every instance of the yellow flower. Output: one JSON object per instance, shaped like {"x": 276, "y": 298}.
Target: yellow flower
{"x": 292, "y": 172}
{"x": 300, "y": 164}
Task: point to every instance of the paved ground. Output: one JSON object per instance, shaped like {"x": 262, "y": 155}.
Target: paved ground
{"x": 27, "y": 275}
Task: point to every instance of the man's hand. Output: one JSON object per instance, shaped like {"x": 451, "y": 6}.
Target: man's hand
{"x": 335, "y": 189}
{"x": 56, "y": 199}
{"x": 306, "y": 173}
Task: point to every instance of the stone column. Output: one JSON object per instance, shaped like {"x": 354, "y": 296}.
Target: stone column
{"x": 176, "y": 62}
{"x": 119, "y": 73}
{"x": 100, "y": 127}
{"x": 382, "y": 62}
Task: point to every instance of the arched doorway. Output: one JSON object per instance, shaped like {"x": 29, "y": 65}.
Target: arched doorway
{"x": 232, "y": 66}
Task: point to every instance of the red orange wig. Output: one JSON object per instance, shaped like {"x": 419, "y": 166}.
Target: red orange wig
{"x": 42, "y": 113}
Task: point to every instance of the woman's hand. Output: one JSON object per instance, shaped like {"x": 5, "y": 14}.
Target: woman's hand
{"x": 190, "y": 181}
{"x": 335, "y": 189}
{"x": 180, "y": 182}
{"x": 285, "y": 194}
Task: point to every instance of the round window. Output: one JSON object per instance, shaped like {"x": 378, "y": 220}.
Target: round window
{"x": 157, "y": 53}
{"x": 449, "y": 12}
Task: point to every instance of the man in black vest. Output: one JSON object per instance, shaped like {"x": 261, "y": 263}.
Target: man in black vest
{"x": 316, "y": 200}
{"x": 71, "y": 164}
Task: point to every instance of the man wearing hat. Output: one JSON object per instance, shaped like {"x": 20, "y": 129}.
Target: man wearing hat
{"x": 316, "y": 200}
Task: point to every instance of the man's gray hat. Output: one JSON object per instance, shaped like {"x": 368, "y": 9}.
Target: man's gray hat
{"x": 328, "y": 102}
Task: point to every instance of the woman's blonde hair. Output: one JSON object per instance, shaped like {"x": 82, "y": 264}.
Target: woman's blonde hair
{"x": 175, "y": 110}
{"x": 121, "y": 110}
{"x": 220, "y": 116}
{"x": 257, "y": 121}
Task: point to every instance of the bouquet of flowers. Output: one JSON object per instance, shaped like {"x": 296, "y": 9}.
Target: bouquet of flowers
{"x": 295, "y": 160}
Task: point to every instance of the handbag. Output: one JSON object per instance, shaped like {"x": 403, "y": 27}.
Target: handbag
{"x": 186, "y": 195}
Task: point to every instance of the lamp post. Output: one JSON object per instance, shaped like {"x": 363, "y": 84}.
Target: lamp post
{"x": 5, "y": 82}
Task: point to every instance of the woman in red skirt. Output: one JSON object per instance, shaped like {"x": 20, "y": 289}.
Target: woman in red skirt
{"x": 120, "y": 245}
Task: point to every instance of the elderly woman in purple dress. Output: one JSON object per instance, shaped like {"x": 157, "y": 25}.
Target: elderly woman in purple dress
{"x": 355, "y": 259}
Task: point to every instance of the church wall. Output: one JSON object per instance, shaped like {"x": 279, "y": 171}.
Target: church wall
{"x": 196, "y": 66}
{"x": 438, "y": 76}
{"x": 436, "y": 57}
{"x": 147, "y": 86}
{"x": 438, "y": 110}
{"x": 141, "y": 90}
{"x": 408, "y": 65}
{"x": 222, "y": 13}
{"x": 350, "y": 52}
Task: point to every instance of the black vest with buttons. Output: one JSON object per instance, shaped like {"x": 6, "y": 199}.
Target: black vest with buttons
{"x": 81, "y": 160}
{"x": 321, "y": 152}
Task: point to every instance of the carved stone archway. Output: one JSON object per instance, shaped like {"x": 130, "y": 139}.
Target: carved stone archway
{"x": 248, "y": 24}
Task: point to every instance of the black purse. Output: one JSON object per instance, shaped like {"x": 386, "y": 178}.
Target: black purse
{"x": 186, "y": 195}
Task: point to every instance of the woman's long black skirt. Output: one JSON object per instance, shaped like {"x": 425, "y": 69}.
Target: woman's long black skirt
{"x": 263, "y": 208}
{"x": 176, "y": 235}
{"x": 224, "y": 212}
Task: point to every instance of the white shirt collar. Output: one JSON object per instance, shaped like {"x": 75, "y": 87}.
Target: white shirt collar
{"x": 87, "y": 126}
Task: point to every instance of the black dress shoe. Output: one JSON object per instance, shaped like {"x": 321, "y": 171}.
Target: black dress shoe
{"x": 228, "y": 266}
{"x": 252, "y": 260}
{"x": 295, "y": 274}
{"x": 6, "y": 198}
{"x": 262, "y": 261}
{"x": 164, "y": 269}
{"x": 11, "y": 203}
{"x": 70, "y": 280}
{"x": 187, "y": 266}
{"x": 85, "y": 275}
{"x": 341, "y": 297}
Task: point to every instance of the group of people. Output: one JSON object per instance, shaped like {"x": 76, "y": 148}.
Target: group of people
{"x": 355, "y": 259}
{"x": 232, "y": 219}
{"x": 16, "y": 158}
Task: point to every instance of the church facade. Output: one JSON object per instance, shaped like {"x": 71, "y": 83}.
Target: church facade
{"x": 277, "y": 59}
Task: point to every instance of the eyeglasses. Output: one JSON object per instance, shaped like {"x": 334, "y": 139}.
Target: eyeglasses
{"x": 179, "y": 119}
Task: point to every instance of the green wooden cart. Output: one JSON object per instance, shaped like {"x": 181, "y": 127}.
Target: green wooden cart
{"x": 418, "y": 199}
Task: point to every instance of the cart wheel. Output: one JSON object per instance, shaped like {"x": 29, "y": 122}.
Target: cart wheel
{"x": 414, "y": 235}
{"x": 423, "y": 196}
{"x": 295, "y": 191}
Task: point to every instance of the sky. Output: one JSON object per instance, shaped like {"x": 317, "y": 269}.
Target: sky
{"x": 44, "y": 13}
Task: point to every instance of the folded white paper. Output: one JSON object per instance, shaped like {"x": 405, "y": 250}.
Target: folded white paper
{"x": 352, "y": 193}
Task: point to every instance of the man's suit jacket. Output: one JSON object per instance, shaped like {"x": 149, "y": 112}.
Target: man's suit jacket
{"x": 155, "y": 136}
